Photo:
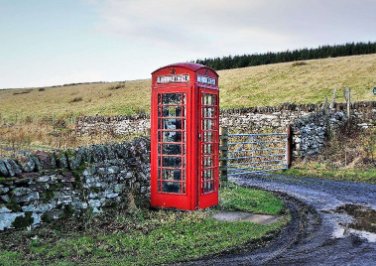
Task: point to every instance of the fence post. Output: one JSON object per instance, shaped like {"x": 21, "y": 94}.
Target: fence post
{"x": 224, "y": 154}
{"x": 288, "y": 146}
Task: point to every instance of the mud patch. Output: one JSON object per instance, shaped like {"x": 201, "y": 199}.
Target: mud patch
{"x": 364, "y": 218}
{"x": 245, "y": 216}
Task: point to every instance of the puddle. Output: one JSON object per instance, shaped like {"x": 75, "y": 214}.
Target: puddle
{"x": 364, "y": 218}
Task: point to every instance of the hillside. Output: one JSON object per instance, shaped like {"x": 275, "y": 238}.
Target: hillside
{"x": 299, "y": 82}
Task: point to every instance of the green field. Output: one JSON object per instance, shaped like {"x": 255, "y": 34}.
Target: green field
{"x": 143, "y": 237}
{"x": 303, "y": 82}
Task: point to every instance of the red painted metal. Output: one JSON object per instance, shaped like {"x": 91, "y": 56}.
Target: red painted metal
{"x": 184, "y": 137}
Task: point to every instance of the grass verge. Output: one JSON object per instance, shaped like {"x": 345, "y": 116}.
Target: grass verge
{"x": 322, "y": 170}
{"x": 143, "y": 237}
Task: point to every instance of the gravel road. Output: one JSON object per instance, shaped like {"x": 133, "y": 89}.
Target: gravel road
{"x": 319, "y": 233}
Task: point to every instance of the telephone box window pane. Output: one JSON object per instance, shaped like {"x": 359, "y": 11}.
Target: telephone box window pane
{"x": 208, "y": 161}
{"x": 208, "y": 186}
{"x": 170, "y": 136}
{"x": 208, "y": 124}
{"x": 172, "y": 124}
{"x": 172, "y": 187}
{"x": 208, "y": 137}
{"x": 209, "y": 112}
{"x": 172, "y": 111}
{"x": 208, "y": 149}
{"x": 172, "y": 98}
{"x": 174, "y": 174}
{"x": 171, "y": 162}
{"x": 170, "y": 149}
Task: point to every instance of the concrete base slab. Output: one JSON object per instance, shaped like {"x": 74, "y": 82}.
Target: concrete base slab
{"x": 245, "y": 216}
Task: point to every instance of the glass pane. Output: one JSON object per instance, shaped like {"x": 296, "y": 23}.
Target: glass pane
{"x": 171, "y": 187}
{"x": 208, "y": 186}
{"x": 208, "y": 137}
{"x": 172, "y": 123}
{"x": 208, "y": 124}
{"x": 172, "y": 98}
{"x": 171, "y": 162}
{"x": 170, "y": 136}
{"x": 208, "y": 148}
{"x": 170, "y": 149}
{"x": 208, "y": 161}
{"x": 172, "y": 111}
{"x": 209, "y": 112}
{"x": 169, "y": 174}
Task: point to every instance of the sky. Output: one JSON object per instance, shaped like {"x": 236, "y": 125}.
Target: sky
{"x": 52, "y": 42}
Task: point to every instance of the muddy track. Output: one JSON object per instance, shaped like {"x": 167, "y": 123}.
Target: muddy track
{"x": 318, "y": 234}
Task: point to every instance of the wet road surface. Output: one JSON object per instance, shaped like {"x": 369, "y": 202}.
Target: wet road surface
{"x": 318, "y": 234}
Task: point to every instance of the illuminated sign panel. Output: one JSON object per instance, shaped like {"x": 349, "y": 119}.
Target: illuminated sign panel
{"x": 173, "y": 78}
{"x": 206, "y": 80}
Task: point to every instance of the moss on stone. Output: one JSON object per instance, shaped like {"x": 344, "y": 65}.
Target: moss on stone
{"x": 23, "y": 221}
{"x": 13, "y": 206}
{"x": 48, "y": 195}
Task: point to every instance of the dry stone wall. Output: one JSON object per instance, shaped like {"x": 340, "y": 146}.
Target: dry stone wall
{"x": 310, "y": 123}
{"x": 42, "y": 186}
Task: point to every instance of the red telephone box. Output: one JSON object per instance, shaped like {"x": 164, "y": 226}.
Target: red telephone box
{"x": 184, "y": 137}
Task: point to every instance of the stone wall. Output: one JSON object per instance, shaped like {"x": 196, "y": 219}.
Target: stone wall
{"x": 47, "y": 186}
{"x": 310, "y": 123}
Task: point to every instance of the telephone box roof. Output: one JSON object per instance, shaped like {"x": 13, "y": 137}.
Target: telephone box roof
{"x": 190, "y": 66}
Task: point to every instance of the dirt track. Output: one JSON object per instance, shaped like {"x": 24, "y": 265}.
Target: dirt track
{"x": 320, "y": 232}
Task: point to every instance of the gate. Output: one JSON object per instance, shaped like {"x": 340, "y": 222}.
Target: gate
{"x": 254, "y": 153}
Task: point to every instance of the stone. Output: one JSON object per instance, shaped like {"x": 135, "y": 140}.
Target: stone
{"x": 46, "y": 160}
{"x": 34, "y": 196}
{"x": 27, "y": 164}
{"x": 3, "y": 169}
{"x": 21, "y": 191}
{"x": 5, "y": 198}
{"x": 4, "y": 210}
{"x": 7, "y": 219}
{"x": 13, "y": 167}
{"x": 4, "y": 190}
{"x": 43, "y": 179}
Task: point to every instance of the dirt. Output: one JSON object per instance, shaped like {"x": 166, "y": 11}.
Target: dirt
{"x": 246, "y": 217}
{"x": 332, "y": 224}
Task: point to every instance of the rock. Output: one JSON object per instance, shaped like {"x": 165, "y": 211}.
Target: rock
{"x": 46, "y": 160}
{"x": 13, "y": 168}
{"x": 3, "y": 189}
{"x": 27, "y": 164}
{"x": 7, "y": 219}
{"x": 3, "y": 169}
{"x": 21, "y": 191}
{"x": 4, "y": 210}
{"x": 34, "y": 196}
{"x": 43, "y": 179}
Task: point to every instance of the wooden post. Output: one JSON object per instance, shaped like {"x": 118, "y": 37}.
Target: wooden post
{"x": 288, "y": 146}
{"x": 224, "y": 154}
{"x": 348, "y": 101}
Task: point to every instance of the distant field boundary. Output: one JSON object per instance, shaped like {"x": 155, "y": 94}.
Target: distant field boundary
{"x": 325, "y": 51}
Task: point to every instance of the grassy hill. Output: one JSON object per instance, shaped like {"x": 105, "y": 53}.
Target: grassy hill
{"x": 299, "y": 82}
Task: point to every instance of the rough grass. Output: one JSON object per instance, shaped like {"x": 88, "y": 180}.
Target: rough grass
{"x": 142, "y": 237}
{"x": 308, "y": 82}
{"x": 322, "y": 170}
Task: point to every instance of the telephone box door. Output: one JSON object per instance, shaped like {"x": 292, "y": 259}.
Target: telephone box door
{"x": 208, "y": 149}
{"x": 171, "y": 133}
